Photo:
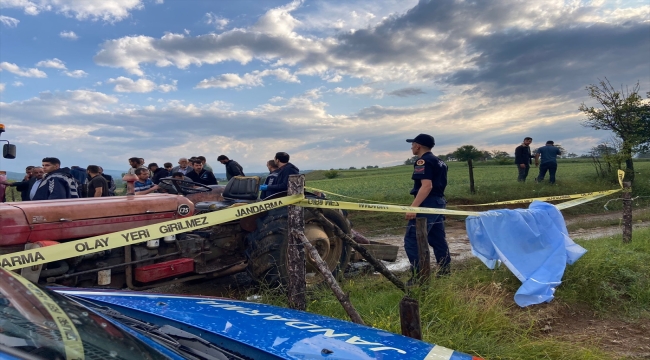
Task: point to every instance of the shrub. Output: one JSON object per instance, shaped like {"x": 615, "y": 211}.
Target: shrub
{"x": 331, "y": 174}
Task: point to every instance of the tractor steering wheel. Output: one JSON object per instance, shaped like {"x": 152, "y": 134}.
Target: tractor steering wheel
{"x": 185, "y": 187}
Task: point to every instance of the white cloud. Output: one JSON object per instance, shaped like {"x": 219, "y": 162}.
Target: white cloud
{"x": 360, "y": 90}
{"x": 251, "y": 79}
{"x": 160, "y": 1}
{"x": 52, "y": 63}
{"x": 68, "y": 35}
{"x": 15, "y": 69}
{"x": 106, "y": 10}
{"x": 17, "y": 84}
{"x": 216, "y": 20}
{"x": 2, "y": 87}
{"x": 76, "y": 73}
{"x": 9, "y": 21}
{"x": 127, "y": 85}
{"x": 427, "y": 42}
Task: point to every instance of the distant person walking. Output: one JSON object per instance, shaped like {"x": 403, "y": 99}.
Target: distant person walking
{"x": 523, "y": 159}
{"x": 232, "y": 167}
{"x": 549, "y": 154}
{"x": 97, "y": 185}
{"x": 271, "y": 178}
{"x": 286, "y": 168}
{"x": 57, "y": 183}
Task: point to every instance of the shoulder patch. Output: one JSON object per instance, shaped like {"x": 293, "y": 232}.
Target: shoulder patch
{"x": 419, "y": 162}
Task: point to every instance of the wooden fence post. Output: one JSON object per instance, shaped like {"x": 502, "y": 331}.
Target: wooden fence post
{"x": 424, "y": 259}
{"x": 409, "y": 315}
{"x": 627, "y": 212}
{"x": 296, "y": 252}
{"x": 470, "y": 165}
{"x": 343, "y": 298}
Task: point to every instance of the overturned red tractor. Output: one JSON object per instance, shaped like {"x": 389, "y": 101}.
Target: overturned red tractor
{"x": 257, "y": 243}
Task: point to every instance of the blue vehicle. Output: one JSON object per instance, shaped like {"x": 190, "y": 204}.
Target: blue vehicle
{"x": 70, "y": 323}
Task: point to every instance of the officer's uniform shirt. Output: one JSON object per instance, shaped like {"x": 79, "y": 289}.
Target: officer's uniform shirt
{"x": 430, "y": 167}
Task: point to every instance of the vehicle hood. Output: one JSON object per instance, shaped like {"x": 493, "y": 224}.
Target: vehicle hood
{"x": 281, "y": 332}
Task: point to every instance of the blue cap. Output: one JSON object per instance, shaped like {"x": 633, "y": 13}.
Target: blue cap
{"x": 424, "y": 140}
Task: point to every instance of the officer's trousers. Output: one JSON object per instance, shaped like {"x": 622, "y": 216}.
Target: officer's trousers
{"x": 435, "y": 236}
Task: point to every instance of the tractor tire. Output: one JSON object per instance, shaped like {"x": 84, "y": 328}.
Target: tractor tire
{"x": 268, "y": 246}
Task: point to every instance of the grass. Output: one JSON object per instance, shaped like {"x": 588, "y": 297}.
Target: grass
{"x": 493, "y": 183}
{"x": 473, "y": 310}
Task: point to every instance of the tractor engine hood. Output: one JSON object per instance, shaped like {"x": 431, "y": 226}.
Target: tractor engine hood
{"x": 275, "y": 331}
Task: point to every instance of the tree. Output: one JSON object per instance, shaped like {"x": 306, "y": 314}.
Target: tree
{"x": 571, "y": 155}
{"x": 469, "y": 153}
{"x": 499, "y": 153}
{"x": 562, "y": 150}
{"x": 411, "y": 160}
{"x": 602, "y": 150}
{"x": 486, "y": 156}
{"x": 501, "y": 157}
{"x": 623, "y": 112}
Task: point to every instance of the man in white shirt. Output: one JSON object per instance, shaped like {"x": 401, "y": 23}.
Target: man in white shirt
{"x": 183, "y": 167}
{"x": 37, "y": 176}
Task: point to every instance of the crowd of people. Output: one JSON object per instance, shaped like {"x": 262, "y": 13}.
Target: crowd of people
{"x": 51, "y": 181}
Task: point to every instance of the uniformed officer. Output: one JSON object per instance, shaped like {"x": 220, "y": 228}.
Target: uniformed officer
{"x": 430, "y": 180}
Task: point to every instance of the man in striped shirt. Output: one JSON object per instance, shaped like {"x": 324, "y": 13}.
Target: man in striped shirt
{"x": 144, "y": 185}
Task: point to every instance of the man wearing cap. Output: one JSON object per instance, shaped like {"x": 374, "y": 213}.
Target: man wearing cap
{"x": 549, "y": 154}
{"x": 430, "y": 180}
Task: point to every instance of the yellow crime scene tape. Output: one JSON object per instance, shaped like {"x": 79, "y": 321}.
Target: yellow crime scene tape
{"x": 343, "y": 205}
{"x": 74, "y": 348}
{"x": 349, "y": 197}
{"x": 547, "y": 198}
{"x": 137, "y": 235}
{"x": 589, "y": 195}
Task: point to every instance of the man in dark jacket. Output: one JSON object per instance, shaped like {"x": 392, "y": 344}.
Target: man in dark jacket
{"x": 272, "y": 177}
{"x": 282, "y": 182}
{"x": 232, "y": 167}
{"x": 109, "y": 180}
{"x": 25, "y": 185}
{"x": 57, "y": 183}
{"x": 523, "y": 158}
{"x": 157, "y": 173}
{"x": 200, "y": 175}
{"x": 80, "y": 175}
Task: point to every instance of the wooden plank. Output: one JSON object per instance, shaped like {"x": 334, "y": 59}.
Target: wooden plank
{"x": 380, "y": 251}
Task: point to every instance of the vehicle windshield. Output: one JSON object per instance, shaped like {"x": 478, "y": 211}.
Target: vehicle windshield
{"x": 37, "y": 321}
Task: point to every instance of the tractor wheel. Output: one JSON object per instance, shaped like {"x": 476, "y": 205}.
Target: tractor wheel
{"x": 269, "y": 243}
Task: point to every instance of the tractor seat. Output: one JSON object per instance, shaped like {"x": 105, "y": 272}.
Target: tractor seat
{"x": 242, "y": 188}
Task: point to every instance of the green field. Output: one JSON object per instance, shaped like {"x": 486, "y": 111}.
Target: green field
{"x": 493, "y": 183}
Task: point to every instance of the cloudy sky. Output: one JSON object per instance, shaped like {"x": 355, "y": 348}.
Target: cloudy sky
{"x": 333, "y": 83}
